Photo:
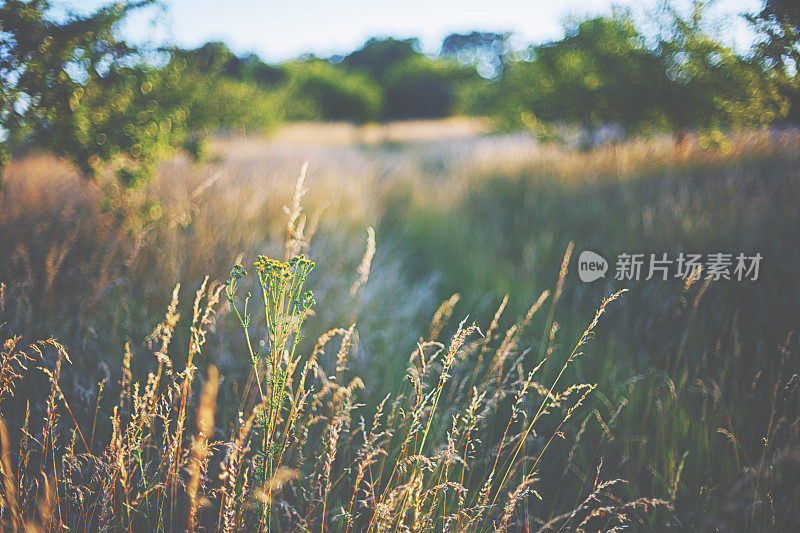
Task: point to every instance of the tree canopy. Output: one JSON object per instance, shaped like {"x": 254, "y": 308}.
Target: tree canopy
{"x": 69, "y": 84}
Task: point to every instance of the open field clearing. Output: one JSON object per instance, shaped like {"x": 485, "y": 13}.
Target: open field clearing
{"x": 678, "y": 407}
{"x": 427, "y": 267}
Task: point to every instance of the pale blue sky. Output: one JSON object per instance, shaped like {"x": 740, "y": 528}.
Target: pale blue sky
{"x": 279, "y": 30}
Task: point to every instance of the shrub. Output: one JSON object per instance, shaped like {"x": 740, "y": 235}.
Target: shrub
{"x": 322, "y": 91}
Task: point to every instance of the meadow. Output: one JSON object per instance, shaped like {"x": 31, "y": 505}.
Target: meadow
{"x": 453, "y": 373}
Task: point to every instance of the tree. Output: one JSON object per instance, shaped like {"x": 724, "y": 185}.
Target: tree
{"x": 378, "y": 56}
{"x": 486, "y": 51}
{"x": 213, "y": 57}
{"x": 779, "y": 22}
{"x": 422, "y": 87}
{"x": 216, "y": 59}
{"x": 253, "y": 68}
{"x": 779, "y": 51}
{"x": 71, "y": 86}
{"x": 319, "y": 90}
{"x": 604, "y": 72}
{"x": 219, "y": 90}
{"x": 601, "y": 72}
{"x": 414, "y": 85}
{"x": 710, "y": 87}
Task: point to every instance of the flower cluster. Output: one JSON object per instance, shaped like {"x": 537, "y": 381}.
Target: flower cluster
{"x": 301, "y": 261}
{"x": 307, "y": 300}
{"x": 272, "y": 268}
{"x": 286, "y": 306}
{"x": 238, "y": 272}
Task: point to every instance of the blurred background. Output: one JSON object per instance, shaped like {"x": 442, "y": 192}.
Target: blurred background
{"x": 584, "y": 71}
{"x": 150, "y": 143}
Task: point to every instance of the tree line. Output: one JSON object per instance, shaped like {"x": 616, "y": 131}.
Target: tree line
{"x": 72, "y": 86}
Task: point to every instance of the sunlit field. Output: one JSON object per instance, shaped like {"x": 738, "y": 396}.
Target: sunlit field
{"x": 453, "y": 371}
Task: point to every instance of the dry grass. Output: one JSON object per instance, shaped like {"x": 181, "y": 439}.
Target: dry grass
{"x": 310, "y": 133}
{"x": 412, "y": 466}
{"x": 494, "y": 422}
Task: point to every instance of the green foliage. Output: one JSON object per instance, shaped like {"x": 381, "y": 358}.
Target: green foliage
{"x": 414, "y": 85}
{"x": 709, "y": 86}
{"x": 217, "y": 93}
{"x": 604, "y": 72}
{"x": 286, "y": 306}
{"x": 252, "y": 68}
{"x": 214, "y": 101}
{"x": 779, "y": 51}
{"x": 77, "y": 90}
{"x": 488, "y": 52}
{"x": 72, "y": 87}
{"x": 378, "y": 56}
{"x": 779, "y": 22}
{"x": 421, "y": 87}
{"x": 198, "y": 147}
{"x": 601, "y": 72}
{"x": 319, "y": 90}
{"x": 122, "y": 120}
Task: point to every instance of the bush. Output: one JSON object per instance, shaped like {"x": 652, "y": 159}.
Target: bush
{"x": 318, "y": 90}
{"x": 75, "y": 89}
{"x": 421, "y": 87}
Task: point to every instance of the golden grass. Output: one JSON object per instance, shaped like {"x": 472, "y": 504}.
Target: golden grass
{"x": 469, "y": 438}
{"x": 406, "y": 472}
{"x": 342, "y": 133}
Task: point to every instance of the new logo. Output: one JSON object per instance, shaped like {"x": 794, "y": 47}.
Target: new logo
{"x": 591, "y": 266}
